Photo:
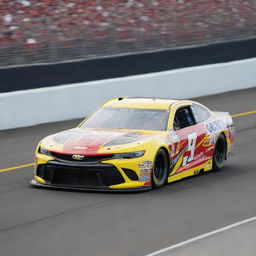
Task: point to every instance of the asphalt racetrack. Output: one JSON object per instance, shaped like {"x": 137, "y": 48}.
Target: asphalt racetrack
{"x": 56, "y": 222}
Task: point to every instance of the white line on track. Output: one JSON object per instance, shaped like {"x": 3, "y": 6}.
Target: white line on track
{"x": 214, "y": 232}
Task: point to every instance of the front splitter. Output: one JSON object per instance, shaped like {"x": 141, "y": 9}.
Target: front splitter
{"x": 137, "y": 189}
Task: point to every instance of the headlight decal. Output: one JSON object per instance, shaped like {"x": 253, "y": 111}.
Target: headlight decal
{"x": 44, "y": 151}
{"x": 129, "y": 155}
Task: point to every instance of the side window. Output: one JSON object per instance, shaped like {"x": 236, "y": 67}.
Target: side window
{"x": 183, "y": 118}
{"x": 201, "y": 114}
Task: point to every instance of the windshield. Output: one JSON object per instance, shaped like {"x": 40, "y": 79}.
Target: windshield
{"x": 128, "y": 118}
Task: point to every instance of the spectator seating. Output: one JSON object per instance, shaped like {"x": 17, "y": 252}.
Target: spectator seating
{"x": 34, "y": 31}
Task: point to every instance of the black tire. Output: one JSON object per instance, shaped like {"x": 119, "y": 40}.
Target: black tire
{"x": 220, "y": 151}
{"x": 160, "y": 169}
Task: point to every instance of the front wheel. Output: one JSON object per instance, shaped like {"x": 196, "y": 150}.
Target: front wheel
{"x": 160, "y": 169}
{"x": 219, "y": 155}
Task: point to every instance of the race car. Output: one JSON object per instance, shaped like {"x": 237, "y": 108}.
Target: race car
{"x": 131, "y": 144}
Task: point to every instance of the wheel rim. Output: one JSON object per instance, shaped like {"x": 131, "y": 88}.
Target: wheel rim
{"x": 159, "y": 169}
{"x": 219, "y": 152}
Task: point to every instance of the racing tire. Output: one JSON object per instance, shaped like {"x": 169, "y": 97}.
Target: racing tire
{"x": 160, "y": 169}
{"x": 219, "y": 154}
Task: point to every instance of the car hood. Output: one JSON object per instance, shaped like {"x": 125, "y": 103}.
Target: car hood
{"x": 91, "y": 141}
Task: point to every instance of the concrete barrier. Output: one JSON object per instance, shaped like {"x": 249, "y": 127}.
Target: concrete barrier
{"x": 31, "y": 107}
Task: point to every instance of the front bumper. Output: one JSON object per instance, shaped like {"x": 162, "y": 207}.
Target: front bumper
{"x": 84, "y": 176}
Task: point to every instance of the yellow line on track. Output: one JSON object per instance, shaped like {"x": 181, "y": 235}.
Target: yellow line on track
{"x": 244, "y": 114}
{"x": 16, "y": 167}
{"x": 31, "y": 164}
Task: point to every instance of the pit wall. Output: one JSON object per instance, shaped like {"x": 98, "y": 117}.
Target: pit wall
{"x": 58, "y": 103}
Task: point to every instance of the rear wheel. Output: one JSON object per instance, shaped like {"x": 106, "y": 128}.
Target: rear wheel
{"x": 160, "y": 169}
{"x": 219, "y": 155}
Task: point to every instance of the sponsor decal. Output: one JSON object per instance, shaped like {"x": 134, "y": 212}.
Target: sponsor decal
{"x": 209, "y": 149}
{"x": 145, "y": 170}
{"x": 199, "y": 156}
{"x": 144, "y": 178}
{"x": 78, "y": 157}
{"x": 173, "y": 152}
{"x": 214, "y": 126}
{"x": 206, "y": 143}
{"x": 147, "y": 162}
{"x": 173, "y": 136}
{"x": 145, "y": 165}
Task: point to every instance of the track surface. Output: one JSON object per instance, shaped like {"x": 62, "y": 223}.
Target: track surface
{"x": 54, "y": 222}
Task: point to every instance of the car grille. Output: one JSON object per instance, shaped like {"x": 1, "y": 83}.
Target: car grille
{"x": 98, "y": 176}
{"x": 97, "y": 158}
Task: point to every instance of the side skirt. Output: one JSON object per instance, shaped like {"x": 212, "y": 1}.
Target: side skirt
{"x": 207, "y": 166}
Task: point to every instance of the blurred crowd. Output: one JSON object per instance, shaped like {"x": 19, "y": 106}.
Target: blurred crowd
{"x": 140, "y": 23}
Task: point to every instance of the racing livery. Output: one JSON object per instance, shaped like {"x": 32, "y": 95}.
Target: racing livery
{"x": 135, "y": 144}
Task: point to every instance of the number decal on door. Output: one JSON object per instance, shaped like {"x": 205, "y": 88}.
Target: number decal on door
{"x": 191, "y": 148}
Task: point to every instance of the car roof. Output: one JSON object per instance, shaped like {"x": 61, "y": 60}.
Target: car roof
{"x": 143, "y": 102}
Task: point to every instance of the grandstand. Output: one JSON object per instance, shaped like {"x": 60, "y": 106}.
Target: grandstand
{"x": 50, "y": 31}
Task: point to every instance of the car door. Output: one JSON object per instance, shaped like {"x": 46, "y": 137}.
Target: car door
{"x": 190, "y": 134}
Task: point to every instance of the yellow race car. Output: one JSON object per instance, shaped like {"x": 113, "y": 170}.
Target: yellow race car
{"x": 135, "y": 144}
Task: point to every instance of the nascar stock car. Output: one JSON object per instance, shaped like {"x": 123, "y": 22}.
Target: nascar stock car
{"x": 135, "y": 144}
